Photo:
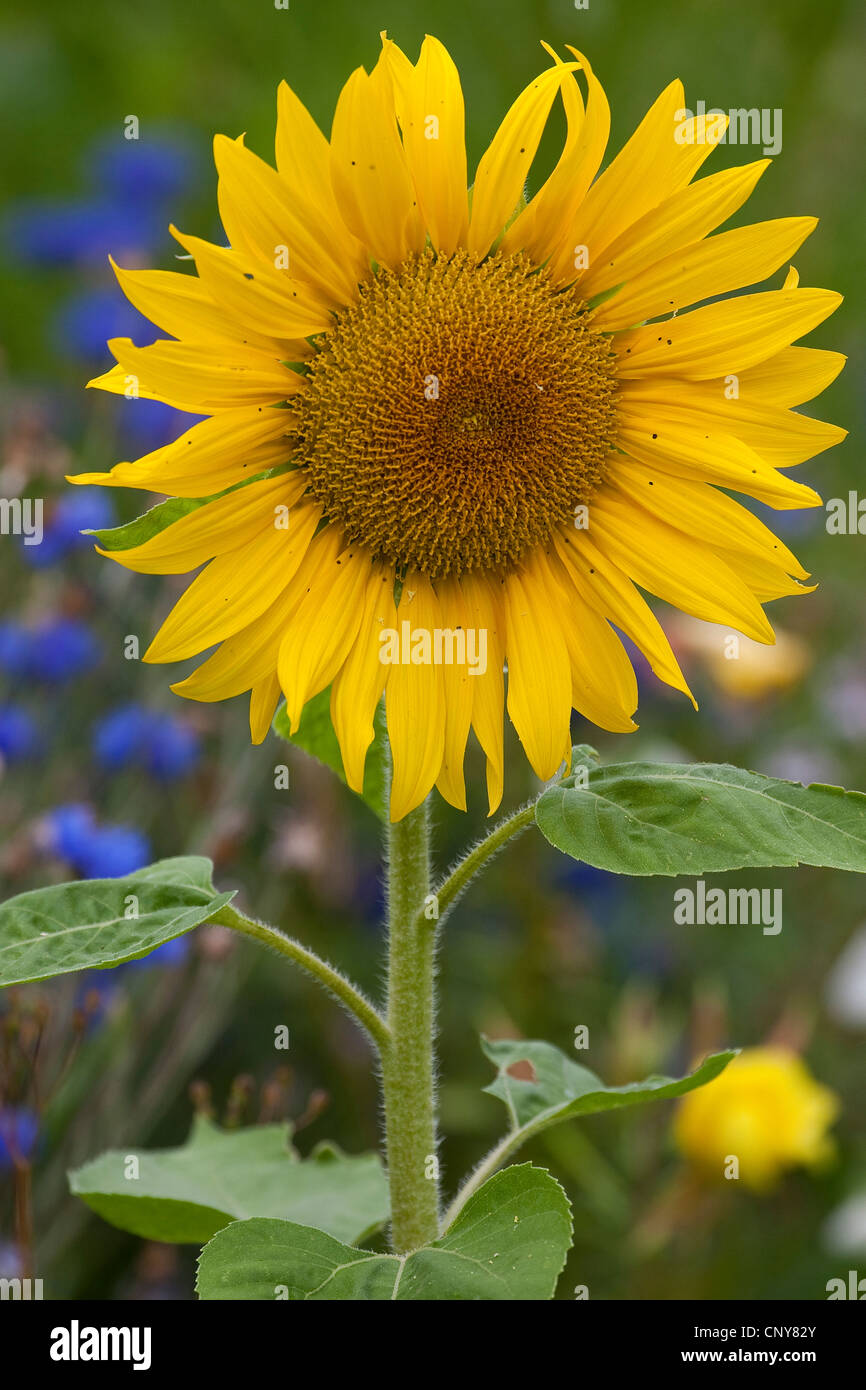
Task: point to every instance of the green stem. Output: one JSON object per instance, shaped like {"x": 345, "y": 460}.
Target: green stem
{"x": 407, "y": 1062}
{"x": 489, "y": 1165}
{"x": 452, "y": 887}
{"x": 347, "y": 993}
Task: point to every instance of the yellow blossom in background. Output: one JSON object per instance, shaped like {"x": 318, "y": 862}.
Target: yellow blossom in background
{"x": 738, "y": 665}
{"x": 766, "y": 1110}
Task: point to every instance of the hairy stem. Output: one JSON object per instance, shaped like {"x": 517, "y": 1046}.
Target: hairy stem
{"x": 408, "y": 1078}
{"x": 455, "y": 884}
{"x": 489, "y": 1165}
{"x": 327, "y": 975}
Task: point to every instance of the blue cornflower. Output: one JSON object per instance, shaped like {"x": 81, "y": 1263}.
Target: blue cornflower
{"x": 85, "y": 322}
{"x": 61, "y": 649}
{"x": 19, "y": 737}
{"x": 85, "y": 509}
{"x": 154, "y": 170}
{"x": 172, "y": 750}
{"x": 19, "y": 1131}
{"x": 134, "y": 736}
{"x": 96, "y": 851}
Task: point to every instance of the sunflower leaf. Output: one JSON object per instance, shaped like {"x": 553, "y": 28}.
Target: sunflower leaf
{"x": 315, "y": 735}
{"x": 561, "y": 1089}
{"x": 157, "y": 519}
{"x": 149, "y": 524}
{"x": 103, "y": 922}
{"x": 508, "y": 1243}
{"x": 185, "y": 1195}
{"x": 669, "y": 818}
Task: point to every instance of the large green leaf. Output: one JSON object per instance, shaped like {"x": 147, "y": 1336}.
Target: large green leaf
{"x": 562, "y": 1090}
{"x": 316, "y": 735}
{"x": 508, "y": 1243}
{"x": 669, "y": 818}
{"x": 189, "y": 870}
{"x": 187, "y": 1194}
{"x": 103, "y": 921}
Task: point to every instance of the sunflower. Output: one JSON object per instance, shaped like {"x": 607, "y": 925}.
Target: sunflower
{"x": 442, "y": 421}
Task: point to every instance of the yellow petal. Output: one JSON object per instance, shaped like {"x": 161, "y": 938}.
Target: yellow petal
{"x": 782, "y": 437}
{"x": 704, "y": 455}
{"x": 726, "y": 337}
{"x": 650, "y": 168}
{"x": 539, "y": 669}
{"x": 234, "y": 589}
{"x": 430, "y": 110}
{"x": 259, "y": 214}
{"x": 264, "y": 698}
{"x": 197, "y": 377}
{"x": 319, "y": 635}
{"x": 704, "y": 513}
{"x": 212, "y": 529}
{"x": 538, "y": 229}
{"x": 213, "y": 455}
{"x": 358, "y": 685}
{"x": 615, "y": 596}
{"x": 484, "y": 607}
{"x": 504, "y": 166}
{"x": 766, "y": 580}
{"x": 458, "y": 683}
{"x": 304, "y": 163}
{"x": 679, "y": 570}
{"x": 249, "y": 656}
{"x": 730, "y": 261}
{"x": 260, "y": 297}
{"x": 182, "y": 306}
{"x": 685, "y": 218}
{"x": 604, "y": 687}
{"x": 792, "y": 376}
{"x": 370, "y": 175}
{"x": 415, "y": 706}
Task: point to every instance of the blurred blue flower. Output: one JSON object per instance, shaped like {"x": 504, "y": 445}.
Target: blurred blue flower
{"x": 61, "y": 232}
{"x": 96, "y": 851}
{"x": 173, "y": 748}
{"x": 597, "y": 887}
{"x": 63, "y": 648}
{"x": 11, "y": 1261}
{"x": 147, "y": 425}
{"x": 84, "y": 323}
{"x": 114, "y": 850}
{"x": 54, "y": 652}
{"x": 70, "y": 828}
{"x": 154, "y": 170}
{"x": 87, "y": 508}
{"x": 15, "y": 649}
{"x": 19, "y": 737}
{"x": 96, "y": 993}
{"x": 19, "y": 1130}
{"x": 169, "y": 955}
{"x": 134, "y": 736}
{"x": 119, "y": 738}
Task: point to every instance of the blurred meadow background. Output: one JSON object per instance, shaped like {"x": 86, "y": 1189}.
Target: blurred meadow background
{"x": 102, "y": 768}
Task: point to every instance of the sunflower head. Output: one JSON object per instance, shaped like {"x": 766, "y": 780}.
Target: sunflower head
{"x": 450, "y": 435}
